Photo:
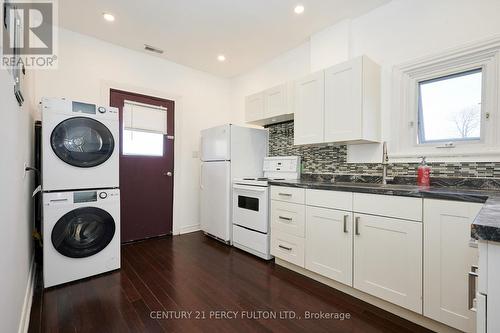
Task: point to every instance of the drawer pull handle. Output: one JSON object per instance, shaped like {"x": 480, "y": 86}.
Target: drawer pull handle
{"x": 356, "y": 226}
{"x": 285, "y": 247}
{"x": 345, "y": 223}
{"x": 285, "y": 194}
{"x": 472, "y": 287}
{"x": 285, "y": 218}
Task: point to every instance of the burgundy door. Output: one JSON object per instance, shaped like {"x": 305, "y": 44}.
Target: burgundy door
{"x": 146, "y": 180}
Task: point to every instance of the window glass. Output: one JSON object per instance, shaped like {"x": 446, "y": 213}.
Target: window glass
{"x": 450, "y": 108}
{"x": 82, "y": 142}
{"x": 142, "y": 143}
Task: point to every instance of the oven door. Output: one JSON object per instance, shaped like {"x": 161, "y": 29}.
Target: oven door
{"x": 250, "y": 207}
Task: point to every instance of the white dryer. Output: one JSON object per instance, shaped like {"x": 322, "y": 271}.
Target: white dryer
{"x": 80, "y": 145}
{"x": 81, "y": 234}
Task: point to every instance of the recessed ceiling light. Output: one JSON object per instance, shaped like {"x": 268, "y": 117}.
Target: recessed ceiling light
{"x": 108, "y": 17}
{"x": 299, "y": 9}
{"x": 221, "y": 57}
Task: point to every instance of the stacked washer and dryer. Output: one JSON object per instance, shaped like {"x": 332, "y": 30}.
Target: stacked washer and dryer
{"x": 81, "y": 196}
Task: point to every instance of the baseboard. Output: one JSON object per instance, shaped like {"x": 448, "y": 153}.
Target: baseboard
{"x": 384, "y": 305}
{"x": 24, "y": 322}
{"x": 188, "y": 229}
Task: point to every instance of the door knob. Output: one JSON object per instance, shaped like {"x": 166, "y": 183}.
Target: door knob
{"x": 168, "y": 173}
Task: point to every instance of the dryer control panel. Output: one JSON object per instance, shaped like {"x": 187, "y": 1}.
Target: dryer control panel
{"x": 81, "y": 197}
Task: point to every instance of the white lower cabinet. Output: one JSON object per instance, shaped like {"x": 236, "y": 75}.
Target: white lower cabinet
{"x": 388, "y": 259}
{"x": 287, "y": 247}
{"x": 448, "y": 259}
{"x": 288, "y": 217}
{"x": 407, "y": 251}
{"x": 328, "y": 249}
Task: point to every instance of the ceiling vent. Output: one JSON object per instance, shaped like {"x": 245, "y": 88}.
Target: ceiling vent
{"x": 153, "y": 49}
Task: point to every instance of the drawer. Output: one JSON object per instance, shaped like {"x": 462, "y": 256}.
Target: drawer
{"x": 288, "y": 217}
{"x": 388, "y": 205}
{"x": 288, "y": 194}
{"x": 287, "y": 247}
{"x": 251, "y": 241}
{"x": 329, "y": 199}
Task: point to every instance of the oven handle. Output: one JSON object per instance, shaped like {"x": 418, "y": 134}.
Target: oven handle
{"x": 250, "y": 188}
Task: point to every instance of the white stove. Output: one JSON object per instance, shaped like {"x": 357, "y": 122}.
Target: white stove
{"x": 264, "y": 181}
{"x": 251, "y": 205}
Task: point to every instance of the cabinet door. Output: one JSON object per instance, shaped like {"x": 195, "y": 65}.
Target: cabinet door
{"x": 309, "y": 109}
{"x": 254, "y": 107}
{"x": 275, "y": 101}
{"x": 447, "y": 261}
{"x": 329, "y": 243}
{"x": 343, "y": 101}
{"x": 388, "y": 259}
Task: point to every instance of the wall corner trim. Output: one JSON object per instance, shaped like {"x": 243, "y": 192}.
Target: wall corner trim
{"x": 24, "y": 321}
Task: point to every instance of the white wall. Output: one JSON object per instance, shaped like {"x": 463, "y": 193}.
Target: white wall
{"x": 88, "y": 67}
{"x": 16, "y": 219}
{"x": 330, "y": 46}
{"x": 397, "y": 32}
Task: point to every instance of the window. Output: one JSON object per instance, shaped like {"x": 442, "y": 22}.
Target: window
{"x": 142, "y": 143}
{"x": 144, "y": 129}
{"x": 446, "y": 106}
{"x": 449, "y": 108}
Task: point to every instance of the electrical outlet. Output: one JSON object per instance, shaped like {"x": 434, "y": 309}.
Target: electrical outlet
{"x": 25, "y": 165}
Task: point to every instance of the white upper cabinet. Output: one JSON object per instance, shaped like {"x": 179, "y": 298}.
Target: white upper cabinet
{"x": 448, "y": 259}
{"x": 348, "y": 105}
{"x": 352, "y": 102}
{"x": 270, "y": 106}
{"x": 309, "y": 109}
{"x": 254, "y": 107}
{"x": 275, "y": 101}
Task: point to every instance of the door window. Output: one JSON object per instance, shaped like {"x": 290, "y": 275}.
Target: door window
{"x": 144, "y": 128}
{"x": 83, "y": 232}
{"x": 82, "y": 142}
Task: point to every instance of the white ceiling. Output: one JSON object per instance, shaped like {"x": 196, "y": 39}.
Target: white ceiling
{"x": 194, "y": 32}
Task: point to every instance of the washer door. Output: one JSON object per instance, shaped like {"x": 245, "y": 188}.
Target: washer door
{"x": 83, "y": 232}
{"x": 82, "y": 142}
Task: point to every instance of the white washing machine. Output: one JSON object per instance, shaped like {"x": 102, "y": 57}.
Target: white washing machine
{"x": 80, "y": 145}
{"x": 81, "y": 234}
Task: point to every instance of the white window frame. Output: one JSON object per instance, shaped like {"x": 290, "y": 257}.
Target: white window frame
{"x": 405, "y": 108}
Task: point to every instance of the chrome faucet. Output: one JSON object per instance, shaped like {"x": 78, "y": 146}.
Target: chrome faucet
{"x": 385, "y": 163}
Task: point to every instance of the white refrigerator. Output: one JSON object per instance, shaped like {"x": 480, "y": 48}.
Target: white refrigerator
{"x": 227, "y": 152}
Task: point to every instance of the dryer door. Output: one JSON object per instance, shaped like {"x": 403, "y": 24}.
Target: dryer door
{"x": 82, "y": 142}
{"x": 83, "y": 232}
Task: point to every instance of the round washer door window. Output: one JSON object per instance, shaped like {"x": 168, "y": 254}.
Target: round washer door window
{"x": 82, "y": 142}
{"x": 83, "y": 232}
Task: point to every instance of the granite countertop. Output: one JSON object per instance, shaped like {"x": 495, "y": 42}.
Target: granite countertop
{"x": 486, "y": 226}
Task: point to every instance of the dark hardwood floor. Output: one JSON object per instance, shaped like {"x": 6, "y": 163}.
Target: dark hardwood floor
{"x": 166, "y": 276}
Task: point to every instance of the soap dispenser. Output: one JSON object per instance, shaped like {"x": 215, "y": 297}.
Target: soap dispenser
{"x": 423, "y": 174}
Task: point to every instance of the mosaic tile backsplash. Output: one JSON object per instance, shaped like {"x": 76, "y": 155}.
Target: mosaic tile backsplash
{"x": 333, "y": 159}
